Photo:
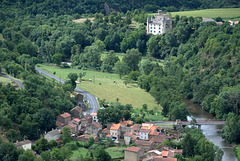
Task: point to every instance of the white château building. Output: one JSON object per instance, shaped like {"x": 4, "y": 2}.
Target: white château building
{"x": 160, "y": 24}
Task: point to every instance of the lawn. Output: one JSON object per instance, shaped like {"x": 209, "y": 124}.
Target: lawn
{"x": 225, "y": 13}
{"x": 114, "y": 152}
{"x": 78, "y": 152}
{"x": 5, "y": 80}
{"x": 130, "y": 94}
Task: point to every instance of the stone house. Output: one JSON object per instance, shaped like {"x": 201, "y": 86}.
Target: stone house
{"x": 63, "y": 119}
{"x": 115, "y": 131}
{"x": 133, "y": 154}
{"x": 128, "y": 137}
{"x": 94, "y": 117}
{"x": 86, "y": 120}
{"x": 157, "y": 140}
{"x": 73, "y": 128}
{"x": 94, "y": 128}
{"x": 76, "y": 112}
{"x": 135, "y": 127}
{"x": 104, "y": 133}
{"x": 160, "y": 24}
{"x": 26, "y": 144}
{"x": 143, "y": 133}
{"x": 145, "y": 145}
{"x": 52, "y": 135}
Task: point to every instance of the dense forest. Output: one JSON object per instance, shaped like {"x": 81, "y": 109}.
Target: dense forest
{"x": 71, "y": 7}
{"x": 201, "y": 60}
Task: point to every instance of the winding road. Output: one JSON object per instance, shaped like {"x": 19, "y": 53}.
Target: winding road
{"x": 94, "y": 107}
{"x": 17, "y": 81}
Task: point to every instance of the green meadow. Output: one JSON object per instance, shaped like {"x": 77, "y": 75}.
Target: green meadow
{"x": 225, "y": 13}
{"x": 130, "y": 94}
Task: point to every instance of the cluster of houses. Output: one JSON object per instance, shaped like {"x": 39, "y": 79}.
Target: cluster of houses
{"x": 146, "y": 136}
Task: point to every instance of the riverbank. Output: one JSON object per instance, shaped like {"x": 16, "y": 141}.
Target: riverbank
{"x": 212, "y": 132}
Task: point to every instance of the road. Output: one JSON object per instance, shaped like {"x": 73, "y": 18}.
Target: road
{"x": 17, "y": 81}
{"x": 94, "y": 107}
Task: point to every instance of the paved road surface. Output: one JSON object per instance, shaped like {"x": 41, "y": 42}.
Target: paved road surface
{"x": 90, "y": 98}
{"x": 18, "y": 82}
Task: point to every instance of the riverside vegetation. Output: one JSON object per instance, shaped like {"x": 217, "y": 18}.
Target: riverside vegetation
{"x": 201, "y": 62}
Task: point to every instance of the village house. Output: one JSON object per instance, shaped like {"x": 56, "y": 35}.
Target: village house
{"x": 73, "y": 127}
{"x": 136, "y": 127}
{"x": 115, "y": 131}
{"x": 94, "y": 128}
{"x": 145, "y": 145}
{"x": 52, "y": 135}
{"x": 160, "y": 24}
{"x": 133, "y": 154}
{"x": 26, "y": 144}
{"x": 105, "y": 132}
{"x": 125, "y": 126}
{"x": 76, "y": 112}
{"x": 160, "y": 158}
{"x": 157, "y": 140}
{"x": 63, "y": 119}
{"x": 86, "y": 120}
{"x": 128, "y": 137}
{"x": 94, "y": 117}
{"x": 85, "y": 137}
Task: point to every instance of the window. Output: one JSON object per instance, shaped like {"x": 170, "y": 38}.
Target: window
{"x": 150, "y": 27}
{"x": 154, "y": 27}
{"x": 159, "y": 28}
{"x": 159, "y": 31}
{"x": 150, "y": 30}
{"x": 154, "y": 31}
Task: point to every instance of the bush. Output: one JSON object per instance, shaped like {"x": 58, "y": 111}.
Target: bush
{"x": 65, "y": 65}
{"x": 71, "y": 146}
{"x": 79, "y": 144}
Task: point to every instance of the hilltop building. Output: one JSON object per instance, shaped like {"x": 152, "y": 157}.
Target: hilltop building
{"x": 160, "y": 24}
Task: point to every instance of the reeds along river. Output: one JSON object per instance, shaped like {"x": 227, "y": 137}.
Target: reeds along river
{"x": 211, "y": 132}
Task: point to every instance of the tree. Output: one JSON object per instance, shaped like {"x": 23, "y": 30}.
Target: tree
{"x": 56, "y": 155}
{"x": 81, "y": 74}
{"x": 66, "y": 135}
{"x": 45, "y": 119}
{"x": 100, "y": 45}
{"x": 231, "y": 129}
{"x": 188, "y": 145}
{"x": 41, "y": 145}
{"x": 109, "y": 62}
{"x": 132, "y": 58}
{"x": 27, "y": 156}
{"x": 121, "y": 68}
{"x": 46, "y": 155}
{"x": 73, "y": 77}
{"x": 57, "y": 58}
{"x": 53, "y": 144}
{"x": 91, "y": 141}
{"x": 13, "y": 135}
{"x": 8, "y": 151}
{"x": 101, "y": 155}
{"x": 133, "y": 75}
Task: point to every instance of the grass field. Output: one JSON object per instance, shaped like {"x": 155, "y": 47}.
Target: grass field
{"x": 114, "y": 152}
{"x": 81, "y": 20}
{"x": 5, "y": 80}
{"x": 225, "y": 13}
{"x": 130, "y": 94}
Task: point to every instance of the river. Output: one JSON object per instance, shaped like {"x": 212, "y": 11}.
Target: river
{"x": 211, "y": 132}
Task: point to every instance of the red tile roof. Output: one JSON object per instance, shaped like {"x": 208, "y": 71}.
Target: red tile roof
{"x": 88, "y": 117}
{"x": 77, "y": 108}
{"x": 115, "y": 127}
{"x": 167, "y": 154}
{"x": 97, "y": 125}
{"x": 160, "y": 138}
{"x": 128, "y": 134}
{"x": 135, "y": 127}
{"x": 143, "y": 142}
{"x": 71, "y": 125}
{"x": 76, "y": 119}
{"x": 105, "y": 131}
{"x": 125, "y": 123}
{"x": 133, "y": 149}
{"x": 145, "y": 130}
{"x": 108, "y": 136}
{"x": 94, "y": 114}
{"x": 65, "y": 115}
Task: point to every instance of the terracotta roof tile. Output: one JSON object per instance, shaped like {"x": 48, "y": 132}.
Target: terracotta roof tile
{"x": 160, "y": 158}
{"x": 128, "y": 134}
{"x": 72, "y": 125}
{"x": 145, "y": 130}
{"x": 94, "y": 114}
{"x": 159, "y": 139}
{"x": 133, "y": 149}
{"x": 143, "y": 142}
{"x": 105, "y": 131}
{"x": 77, "y": 108}
{"x": 97, "y": 125}
{"x": 88, "y": 117}
{"x": 76, "y": 119}
{"x": 115, "y": 127}
{"x": 108, "y": 136}
{"x": 125, "y": 123}
{"x": 135, "y": 127}
{"x": 65, "y": 115}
